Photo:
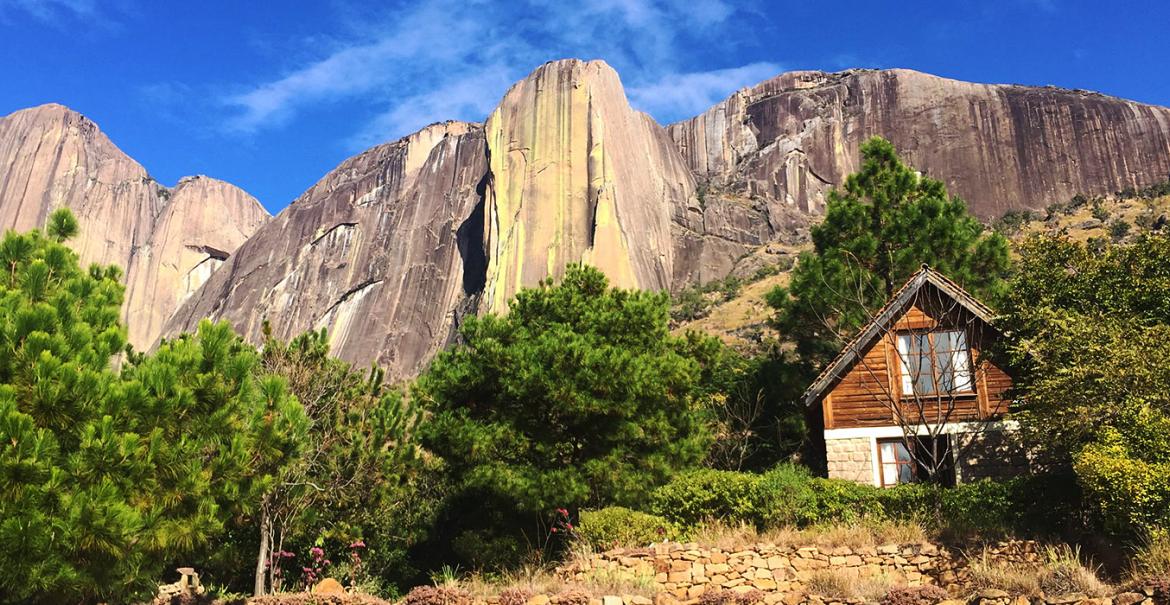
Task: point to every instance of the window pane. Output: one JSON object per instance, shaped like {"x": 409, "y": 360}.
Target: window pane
{"x": 905, "y": 473}
{"x": 960, "y": 361}
{"x": 903, "y": 454}
{"x": 889, "y": 474}
{"x": 904, "y": 359}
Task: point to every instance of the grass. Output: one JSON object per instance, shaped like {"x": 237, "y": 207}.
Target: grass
{"x": 856, "y": 535}
{"x": 1153, "y": 558}
{"x": 1063, "y": 571}
{"x": 536, "y": 579}
{"x": 845, "y": 584}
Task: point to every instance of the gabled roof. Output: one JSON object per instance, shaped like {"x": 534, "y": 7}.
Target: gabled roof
{"x": 888, "y": 315}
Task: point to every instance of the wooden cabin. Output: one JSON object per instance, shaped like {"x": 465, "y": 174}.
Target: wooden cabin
{"x": 913, "y": 395}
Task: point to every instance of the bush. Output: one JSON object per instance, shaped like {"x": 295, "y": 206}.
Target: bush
{"x": 845, "y": 501}
{"x": 787, "y": 497}
{"x": 1118, "y": 229}
{"x": 616, "y": 526}
{"x": 915, "y": 595}
{"x": 697, "y": 496}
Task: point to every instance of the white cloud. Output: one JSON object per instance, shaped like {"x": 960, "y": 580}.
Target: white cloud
{"x": 443, "y": 59}
{"x": 50, "y": 11}
{"x": 686, "y": 94}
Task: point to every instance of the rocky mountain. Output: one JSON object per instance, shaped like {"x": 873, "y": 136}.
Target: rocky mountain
{"x": 386, "y": 252}
{"x": 788, "y": 140}
{"x": 394, "y": 246}
{"x": 166, "y": 240}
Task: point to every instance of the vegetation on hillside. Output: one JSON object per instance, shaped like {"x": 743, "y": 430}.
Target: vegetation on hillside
{"x": 579, "y": 417}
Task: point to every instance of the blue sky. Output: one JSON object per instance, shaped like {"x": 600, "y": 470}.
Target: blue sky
{"x": 272, "y": 95}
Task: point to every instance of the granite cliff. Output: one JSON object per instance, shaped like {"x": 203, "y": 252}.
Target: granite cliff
{"x": 386, "y": 252}
{"x": 393, "y": 247}
{"x": 788, "y": 140}
{"x": 166, "y": 240}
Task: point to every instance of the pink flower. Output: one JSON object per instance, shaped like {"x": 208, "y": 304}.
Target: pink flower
{"x": 554, "y": 530}
{"x": 358, "y": 544}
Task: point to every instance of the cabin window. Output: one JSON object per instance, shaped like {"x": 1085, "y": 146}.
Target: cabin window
{"x": 897, "y": 465}
{"x": 935, "y": 362}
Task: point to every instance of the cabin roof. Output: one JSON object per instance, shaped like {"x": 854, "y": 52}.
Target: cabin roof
{"x": 888, "y": 314}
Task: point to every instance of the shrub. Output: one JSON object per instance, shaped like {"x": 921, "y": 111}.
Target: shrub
{"x": 696, "y": 496}
{"x": 787, "y": 497}
{"x": 1118, "y": 229}
{"x": 618, "y": 526}
{"x": 915, "y": 595}
{"x": 844, "y": 501}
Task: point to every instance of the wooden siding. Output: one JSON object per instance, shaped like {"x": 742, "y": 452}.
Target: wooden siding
{"x": 865, "y": 395}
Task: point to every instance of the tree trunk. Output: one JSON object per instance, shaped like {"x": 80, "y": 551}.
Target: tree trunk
{"x": 262, "y": 558}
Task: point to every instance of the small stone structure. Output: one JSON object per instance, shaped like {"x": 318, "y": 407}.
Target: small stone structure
{"x": 187, "y": 586}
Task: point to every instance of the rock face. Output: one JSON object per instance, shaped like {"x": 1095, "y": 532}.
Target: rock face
{"x": 786, "y": 141}
{"x": 52, "y": 157}
{"x": 386, "y": 252}
{"x": 203, "y": 223}
{"x": 578, "y": 176}
{"x": 389, "y": 250}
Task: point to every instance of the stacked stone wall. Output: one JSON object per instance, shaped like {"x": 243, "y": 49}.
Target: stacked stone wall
{"x": 687, "y": 571}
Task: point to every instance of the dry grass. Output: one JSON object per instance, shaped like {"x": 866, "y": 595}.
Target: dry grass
{"x": 534, "y": 579}
{"x": 845, "y": 584}
{"x": 1063, "y": 571}
{"x": 1066, "y": 572}
{"x": 858, "y": 535}
{"x": 1153, "y": 558}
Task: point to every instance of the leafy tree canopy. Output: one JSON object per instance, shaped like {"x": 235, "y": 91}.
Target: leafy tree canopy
{"x": 880, "y": 227}
{"x": 1089, "y": 335}
{"x": 579, "y": 396}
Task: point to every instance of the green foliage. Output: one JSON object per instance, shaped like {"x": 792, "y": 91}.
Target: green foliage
{"x": 1099, "y": 211}
{"x": 615, "y": 526}
{"x": 695, "y": 302}
{"x": 108, "y": 475}
{"x": 578, "y": 397}
{"x": 1129, "y": 485}
{"x": 62, "y": 225}
{"x": 1013, "y": 221}
{"x": 880, "y": 227}
{"x": 1118, "y": 229}
{"x": 1090, "y": 335}
{"x": 788, "y": 496}
{"x": 706, "y": 494}
{"x": 353, "y": 475}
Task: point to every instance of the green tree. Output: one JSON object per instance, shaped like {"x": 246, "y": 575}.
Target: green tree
{"x": 107, "y": 476}
{"x": 880, "y": 227}
{"x": 1089, "y": 336}
{"x": 350, "y": 477}
{"x": 578, "y": 397}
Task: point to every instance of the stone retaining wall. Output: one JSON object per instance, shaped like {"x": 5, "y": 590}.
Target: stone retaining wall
{"x": 686, "y": 571}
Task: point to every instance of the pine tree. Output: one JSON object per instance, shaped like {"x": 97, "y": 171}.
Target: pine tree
{"x": 579, "y": 396}
{"x": 879, "y": 228}
{"x": 105, "y": 475}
